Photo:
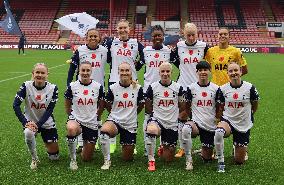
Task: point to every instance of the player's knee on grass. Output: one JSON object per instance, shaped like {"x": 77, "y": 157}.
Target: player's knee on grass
{"x": 168, "y": 153}
{"x": 88, "y": 151}
{"x": 240, "y": 153}
{"x": 127, "y": 152}
{"x": 206, "y": 154}
{"x": 53, "y": 156}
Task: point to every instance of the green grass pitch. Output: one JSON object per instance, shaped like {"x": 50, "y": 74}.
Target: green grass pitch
{"x": 266, "y": 151}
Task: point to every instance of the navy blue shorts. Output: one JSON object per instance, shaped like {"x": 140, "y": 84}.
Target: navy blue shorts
{"x": 206, "y": 137}
{"x": 169, "y": 137}
{"x": 48, "y": 135}
{"x": 239, "y": 138}
{"x": 89, "y": 134}
{"x": 126, "y": 137}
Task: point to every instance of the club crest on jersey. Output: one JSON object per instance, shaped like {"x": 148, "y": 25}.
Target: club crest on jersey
{"x": 38, "y": 97}
{"x": 125, "y": 104}
{"x": 86, "y": 92}
{"x": 123, "y": 52}
{"x": 38, "y": 105}
{"x": 94, "y": 56}
{"x": 125, "y": 95}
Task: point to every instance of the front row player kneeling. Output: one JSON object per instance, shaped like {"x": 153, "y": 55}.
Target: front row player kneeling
{"x": 84, "y": 104}
{"x": 202, "y": 97}
{"x": 164, "y": 101}
{"x": 239, "y": 100}
{"x": 40, "y": 98}
{"x": 124, "y": 101}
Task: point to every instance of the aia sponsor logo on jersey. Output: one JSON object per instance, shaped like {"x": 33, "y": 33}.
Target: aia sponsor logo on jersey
{"x": 235, "y": 105}
{"x": 96, "y": 64}
{"x": 204, "y": 103}
{"x": 166, "y": 103}
{"x": 125, "y": 104}
{"x": 123, "y": 52}
{"x": 155, "y": 63}
{"x": 85, "y": 101}
{"x": 190, "y": 60}
{"x": 38, "y": 105}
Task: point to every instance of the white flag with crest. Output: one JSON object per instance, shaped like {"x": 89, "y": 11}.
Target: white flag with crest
{"x": 79, "y": 23}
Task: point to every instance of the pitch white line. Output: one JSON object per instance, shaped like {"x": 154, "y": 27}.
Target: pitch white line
{"x": 27, "y": 74}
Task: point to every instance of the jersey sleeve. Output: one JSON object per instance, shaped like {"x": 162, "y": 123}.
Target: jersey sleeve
{"x": 73, "y": 66}
{"x": 101, "y": 93}
{"x": 221, "y": 98}
{"x": 205, "y": 50}
{"x": 68, "y": 93}
{"x": 109, "y": 97}
{"x": 49, "y": 110}
{"x": 107, "y": 43}
{"x": 174, "y": 58}
{"x": 149, "y": 93}
{"x": 218, "y": 96}
{"x": 254, "y": 96}
{"x": 19, "y": 98}
{"x": 207, "y": 56}
{"x": 188, "y": 95}
{"x": 181, "y": 95}
{"x": 241, "y": 58}
{"x": 140, "y": 97}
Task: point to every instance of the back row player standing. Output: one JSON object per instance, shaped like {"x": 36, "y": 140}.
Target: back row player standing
{"x": 122, "y": 49}
{"x": 187, "y": 55}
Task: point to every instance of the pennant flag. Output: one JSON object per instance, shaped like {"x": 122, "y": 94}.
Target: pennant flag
{"x": 79, "y": 23}
{"x": 9, "y": 24}
{"x": 168, "y": 39}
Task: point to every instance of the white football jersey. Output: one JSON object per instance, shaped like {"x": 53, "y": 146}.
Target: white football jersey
{"x": 189, "y": 56}
{"x": 125, "y": 101}
{"x": 203, "y": 104}
{"x": 123, "y": 52}
{"x": 165, "y": 103}
{"x": 37, "y": 101}
{"x": 153, "y": 60}
{"x": 85, "y": 102}
{"x": 98, "y": 59}
{"x": 237, "y": 109}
